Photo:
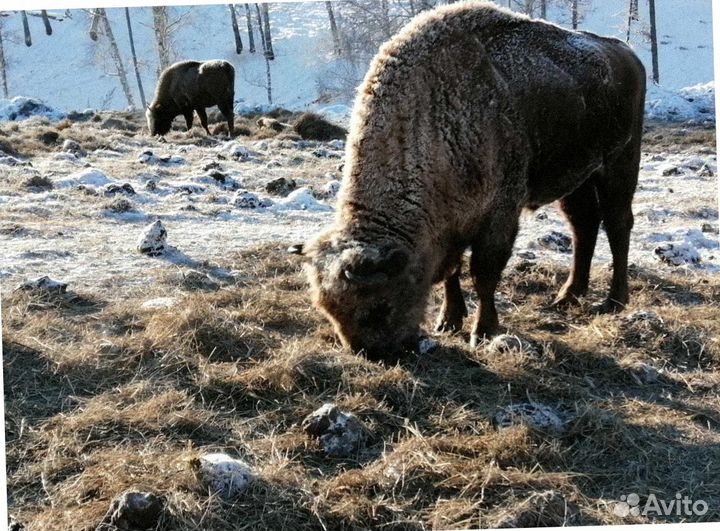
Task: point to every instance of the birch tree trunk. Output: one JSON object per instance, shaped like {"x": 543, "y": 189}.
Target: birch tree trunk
{"x": 653, "y": 44}
{"x": 162, "y": 37}
{"x": 46, "y": 21}
{"x": 3, "y": 66}
{"x": 134, "y": 58}
{"x": 236, "y": 30}
{"x": 26, "y": 29}
{"x": 543, "y": 9}
{"x": 251, "y": 37}
{"x": 574, "y": 14}
{"x": 334, "y": 29}
{"x": 266, "y": 29}
{"x": 117, "y": 58}
{"x": 260, "y": 28}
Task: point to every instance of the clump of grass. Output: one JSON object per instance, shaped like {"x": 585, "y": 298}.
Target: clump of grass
{"x": 38, "y": 182}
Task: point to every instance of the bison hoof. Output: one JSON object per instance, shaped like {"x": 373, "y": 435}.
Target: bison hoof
{"x": 609, "y": 306}
{"x": 448, "y": 326}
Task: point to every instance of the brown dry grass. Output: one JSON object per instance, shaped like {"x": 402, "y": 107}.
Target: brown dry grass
{"x": 102, "y": 396}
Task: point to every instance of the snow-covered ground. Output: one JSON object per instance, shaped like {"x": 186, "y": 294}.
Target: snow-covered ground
{"x": 85, "y": 230}
{"x": 77, "y": 73}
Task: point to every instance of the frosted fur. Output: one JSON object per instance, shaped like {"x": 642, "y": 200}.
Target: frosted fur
{"x": 468, "y": 115}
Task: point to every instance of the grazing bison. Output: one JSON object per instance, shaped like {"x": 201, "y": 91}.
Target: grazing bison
{"x": 468, "y": 115}
{"x": 190, "y": 86}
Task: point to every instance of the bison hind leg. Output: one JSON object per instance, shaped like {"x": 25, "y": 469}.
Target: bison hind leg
{"x": 453, "y": 309}
{"x": 227, "y": 112}
{"x": 583, "y": 212}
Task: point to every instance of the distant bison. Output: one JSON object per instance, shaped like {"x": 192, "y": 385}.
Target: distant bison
{"x": 192, "y": 86}
{"x": 468, "y": 115}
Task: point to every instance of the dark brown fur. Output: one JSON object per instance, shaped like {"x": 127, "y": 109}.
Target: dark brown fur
{"x": 470, "y": 114}
{"x": 190, "y": 86}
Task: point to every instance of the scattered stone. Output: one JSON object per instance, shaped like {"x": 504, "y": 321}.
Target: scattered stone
{"x": 645, "y": 374}
{"x": 198, "y": 281}
{"x": 341, "y": 434}
{"x": 49, "y": 137}
{"x": 119, "y": 205}
{"x": 12, "y": 161}
{"x": 246, "y": 199}
{"x": 323, "y": 153}
{"x": 151, "y": 185}
{"x": 218, "y": 176}
{"x": 44, "y": 284}
{"x": 281, "y": 186}
{"x": 87, "y": 190}
{"x": 508, "y": 343}
{"x": 274, "y": 163}
{"x": 189, "y": 189}
{"x": 223, "y": 474}
{"x": 705, "y": 171}
{"x": 710, "y": 228}
{"x": 642, "y": 316}
{"x": 152, "y": 240}
{"x": 537, "y": 416}
{"x": 38, "y": 182}
{"x": 112, "y": 189}
{"x": 669, "y": 169}
{"x": 212, "y": 165}
{"x": 556, "y": 241}
{"x": 133, "y": 511}
{"x": 527, "y": 255}
{"x": 677, "y": 254}
{"x": 427, "y": 345}
{"x": 148, "y": 157}
{"x": 329, "y": 190}
{"x": 159, "y": 302}
{"x": 116, "y": 123}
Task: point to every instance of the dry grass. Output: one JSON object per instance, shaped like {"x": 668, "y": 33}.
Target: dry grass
{"x": 102, "y": 396}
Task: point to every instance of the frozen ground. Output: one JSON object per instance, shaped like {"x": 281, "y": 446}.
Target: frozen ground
{"x": 84, "y": 230}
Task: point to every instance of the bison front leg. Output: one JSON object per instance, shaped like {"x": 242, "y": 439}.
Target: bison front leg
{"x": 453, "y": 309}
{"x": 490, "y": 253}
{"x": 188, "y": 114}
{"x": 203, "y": 119}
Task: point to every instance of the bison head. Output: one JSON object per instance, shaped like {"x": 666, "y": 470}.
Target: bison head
{"x": 370, "y": 292}
{"x": 158, "y": 120}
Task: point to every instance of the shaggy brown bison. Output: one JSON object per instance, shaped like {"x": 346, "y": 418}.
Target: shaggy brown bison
{"x": 190, "y": 86}
{"x": 468, "y": 115}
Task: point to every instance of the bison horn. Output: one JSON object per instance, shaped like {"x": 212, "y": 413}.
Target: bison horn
{"x": 298, "y": 248}
{"x": 366, "y": 280}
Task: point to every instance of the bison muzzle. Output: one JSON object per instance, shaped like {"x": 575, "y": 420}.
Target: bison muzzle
{"x": 469, "y": 115}
{"x": 192, "y": 86}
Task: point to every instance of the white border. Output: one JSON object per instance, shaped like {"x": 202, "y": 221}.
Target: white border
{"x": 76, "y": 4}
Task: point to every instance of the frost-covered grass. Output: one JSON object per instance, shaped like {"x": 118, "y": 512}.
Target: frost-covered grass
{"x": 147, "y": 362}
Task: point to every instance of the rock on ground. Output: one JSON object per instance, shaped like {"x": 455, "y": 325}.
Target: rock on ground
{"x": 153, "y": 238}
{"x": 677, "y": 254}
{"x": 223, "y": 474}
{"x": 44, "y": 284}
{"x": 340, "y": 433}
{"x": 507, "y": 343}
{"x": 133, "y": 511}
{"x": 537, "y": 416}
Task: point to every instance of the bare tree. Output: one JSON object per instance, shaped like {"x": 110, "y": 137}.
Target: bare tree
{"x": 3, "y": 65}
{"x": 251, "y": 37}
{"x": 334, "y": 29}
{"x": 117, "y": 58}
{"x": 134, "y": 58}
{"x": 262, "y": 33}
{"x": 162, "y": 37}
{"x": 653, "y": 43}
{"x": 46, "y": 22}
{"x": 632, "y": 15}
{"x": 26, "y": 28}
{"x": 236, "y": 30}
{"x": 95, "y": 25}
{"x": 543, "y": 9}
{"x": 574, "y": 14}
{"x": 266, "y": 30}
